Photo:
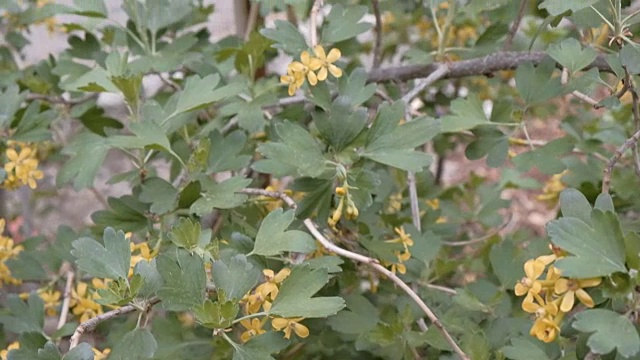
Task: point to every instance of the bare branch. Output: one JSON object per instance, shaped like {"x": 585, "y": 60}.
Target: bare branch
{"x": 631, "y": 142}
{"x": 377, "y": 48}
{"x": 514, "y": 28}
{"x": 564, "y": 79}
{"x": 62, "y": 100}
{"x": 374, "y": 263}
{"x": 478, "y": 66}
{"x": 91, "y": 324}
{"x": 254, "y": 11}
{"x": 66, "y": 300}
{"x": 439, "y": 73}
{"x": 482, "y": 238}
{"x": 313, "y": 34}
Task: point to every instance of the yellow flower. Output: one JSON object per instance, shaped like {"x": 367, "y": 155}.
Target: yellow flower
{"x": 546, "y": 328}
{"x": 5, "y": 275}
{"x": 143, "y": 254}
{"x": 253, "y": 326}
{"x": 552, "y": 188}
{"x": 395, "y": 203}
{"x": 539, "y": 307}
{"x": 51, "y": 300}
{"x": 100, "y": 355}
{"x": 572, "y": 288}
{"x": 307, "y": 66}
{"x": 13, "y": 346}
{"x": 404, "y": 239}
{"x": 533, "y": 269}
{"x": 7, "y": 247}
{"x": 253, "y": 302}
{"x": 288, "y": 325}
{"x": 434, "y": 204}
{"x": 22, "y": 167}
{"x": 294, "y": 79}
{"x": 270, "y": 287}
{"x": 327, "y": 61}
{"x": 83, "y": 304}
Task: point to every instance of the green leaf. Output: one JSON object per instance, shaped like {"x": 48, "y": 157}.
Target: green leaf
{"x": 523, "y": 349}
{"x": 490, "y": 142}
{"x": 24, "y": 317}
{"x": 237, "y": 278}
{"x": 546, "y": 158}
{"x": 186, "y": 233}
{"x": 27, "y": 266}
{"x": 221, "y": 196}
{"x": 506, "y": 261}
{"x": 344, "y": 23}
{"x": 225, "y": 153}
{"x": 260, "y": 347}
{"x": 33, "y": 126}
{"x": 184, "y": 280}
{"x": 88, "y": 151}
{"x": 152, "y": 278}
{"x": 340, "y": 125}
{"x": 147, "y": 134}
{"x": 81, "y": 352}
{"x": 158, "y": 192}
{"x": 558, "y": 7}
{"x": 298, "y": 151}
{"x": 137, "y": 344}
{"x": 630, "y": 59}
{"x": 570, "y": 54}
{"x": 110, "y": 261}
{"x": 331, "y": 263}
{"x": 216, "y": 315}
{"x": 408, "y": 160}
{"x": 287, "y": 37}
{"x": 597, "y": 248}
{"x": 49, "y": 352}
{"x": 362, "y": 317}
{"x": 199, "y": 92}
{"x": 604, "y": 202}
{"x": 95, "y": 120}
{"x": 353, "y": 89}
{"x": 467, "y": 114}
{"x": 10, "y": 101}
{"x": 574, "y": 204}
{"x": 294, "y": 298}
{"x": 274, "y": 239}
{"x": 425, "y": 246}
{"x": 604, "y": 324}
{"x": 536, "y": 84}
{"x": 94, "y": 8}
{"x": 127, "y": 213}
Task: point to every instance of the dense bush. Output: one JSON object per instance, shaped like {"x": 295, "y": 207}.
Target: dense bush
{"x": 306, "y": 212}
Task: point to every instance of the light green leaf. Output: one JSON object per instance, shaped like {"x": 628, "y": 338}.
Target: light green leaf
{"x": 408, "y": 160}
{"x": 630, "y": 59}
{"x": 557, "y": 7}
{"x": 216, "y": 315}
{"x": 610, "y": 330}
{"x": 340, "y": 125}
{"x": 353, "y": 89}
{"x": 199, "y": 92}
{"x": 236, "y": 278}
{"x": 574, "y": 204}
{"x": 298, "y": 150}
{"x": 24, "y": 316}
{"x": 221, "y": 196}
{"x": 81, "y": 352}
{"x": 110, "y": 261}
{"x": 546, "y": 158}
{"x": 597, "y": 248}
{"x": 147, "y": 134}
{"x": 287, "y": 37}
{"x": 88, "y": 152}
{"x": 536, "y": 84}
{"x": 506, "y": 262}
{"x": 95, "y": 8}
{"x": 137, "y": 344}
{"x": 331, "y": 263}
{"x": 467, "y": 114}
{"x": 184, "y": 280}
{"x": 10, "y": 101}
{"x": 295, "y": 296}
{"x": 152, "y": 278}
{"x": 274, "y": 239}
{"x": 225, "y": 153}
{"x": 521, "y": 349}
{"x": 186, "y": 233}
{"x": 604, "y": 202}
{"x": 361, "y": 317}
{"x": 160, "y": 194}
{"x": 570, "y": 54}
{"x": 49, "y": 352}
{"x": 260, "y": 347}
{"x": 344, "y": 23}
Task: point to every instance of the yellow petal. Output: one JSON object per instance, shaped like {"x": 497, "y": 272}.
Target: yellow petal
{"x": 268, "y": 273}
{"x": 520, "y": 289}
{"x": 584, "y": 298}
{"x": 12, "y": 154}
{"x": 585, "y": 283}
{"x": 284, "y": 79}
{"x": 292, "y": 89}
{"x": 282, "y": 274}
{"x": 300, "y": 330}
{"x": 297, "y": 67}
{"x": 314, "y": 64}
{"x": 279, "y": 323}
{"x": 305, "y": 57}
{"x": 319, "y": 51}
{"x": 313, "y": 79}
{"x": 528, "y": 305}
{"x": 561, "y": 286}
{"x": 322, "y": 74}
{"x": 334, "y": 55}
{"x": 567, "y": 301}
{"x": 335, "y": 71}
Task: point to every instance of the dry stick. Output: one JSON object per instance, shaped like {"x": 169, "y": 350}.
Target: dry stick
{"x": 514, "y": 28}
{"x": 313, "y": 35}
{"x": 61, "y": 100}
{"x": 67, "y": 299}
{"x": 636, "y": 120}
{"x": 377, "y": 49}
{"x": 564, "y": 79}
{"x": 91, "y": 324}
{"x": 254, "y": 11}
{"x": 440, "y": 72}
{"x": 482, "y": 238}
{"x": 374, "y": 263}
{"x": 606, "y": 179}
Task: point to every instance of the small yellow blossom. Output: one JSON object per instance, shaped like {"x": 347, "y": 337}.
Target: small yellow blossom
{"x": 13, "y": 346}
{"x": 101, "y": 355}
{"x": 269, "y": 289}
{"x": 22, "y": 166}
{"x": 547, "y": 328}
{"x": 253, "y": 302}
{"x": 327, "y": 61}
{"x": 51, "y": 300}
{"x": 253, "y": 326}
{"x": 289, "y": 325}
{"x": 293, "y": 79}
{"x": 552, "y": 188}
{"x": 572, "y": 288}
{"x": 434, "y": 204}
{"x": 395, "y": 203}
{"x": 144, "y": 253}
{"x": 533, "y": 269}
{"x": 83, "y": 304}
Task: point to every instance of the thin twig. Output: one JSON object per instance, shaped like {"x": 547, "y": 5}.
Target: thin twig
{"x": 636, "y": 119}
{"x": 377, "y": 48}
{"x": 99, "y": 197}
{"x": 443, "y": 289}
{"x": 413, "y": 196}
{"x": 631, "y": 142}
{"x": 313, "y": 34}
{"x": 91, "y": 324}
{"x": 439, "y": 73}
{"x": 254, "y": 11}
{"x": 60, "y": 99}
{"x": 374, "y": 263}
{"x": 67, "y": 299}
{"x": 482, "y": 238}
{"x": 564, "y": 79}
{"x": 514, "y": 28}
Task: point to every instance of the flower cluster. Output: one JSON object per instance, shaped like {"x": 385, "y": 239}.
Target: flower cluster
{"x": 5, "y": 353}
{"x": 100, "y": 355}
{"x": 139, "y": 252}
{"x": 8, "y": 250}
{"x": 83, "y": 302}
{"x": 552, "y": 188}
{"x": 262, "y": 297}
{"x": 550, "y": 299}
{"x": 345, "y": 204}
{"x": 311, "y": 68}
{"x": 402, "y": 256}
{"x": 21, "y": 167}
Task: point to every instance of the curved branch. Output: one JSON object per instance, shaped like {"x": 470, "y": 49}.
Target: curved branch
{"x": 478, "y": 66}
{"x": 374, "y": 263}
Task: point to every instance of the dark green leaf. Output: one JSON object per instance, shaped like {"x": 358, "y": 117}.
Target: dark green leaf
{"x": 535, "y": 84}
{"x": 216, "y": 315}
{"x": 344, "y": 23}
{"x": 162, "y": 196}
{"x": 603, "y": 324}
{"x": 221, "y": 196}
{"x": 81, "y": 352}
{"x": 274, "y": 239}
{"x": 237, "y": 278}
{"x": 110, "y": 261}
{"x": 184, "y": 280}
{"x": 287, "y": 38}
{"x": 24, "y": 317}
{"x": 88, "y": 151}
{"x": 521, "y": 349}
{"x": 574, "y": 204}
{"x": 362, "y": 317}
{"x": 630, "y": 59}
{"x": 225, "y": 153}
{"x": 570, "y": 54}
{"x": 467, "y": 114}
{"x": 137, "y": 344}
